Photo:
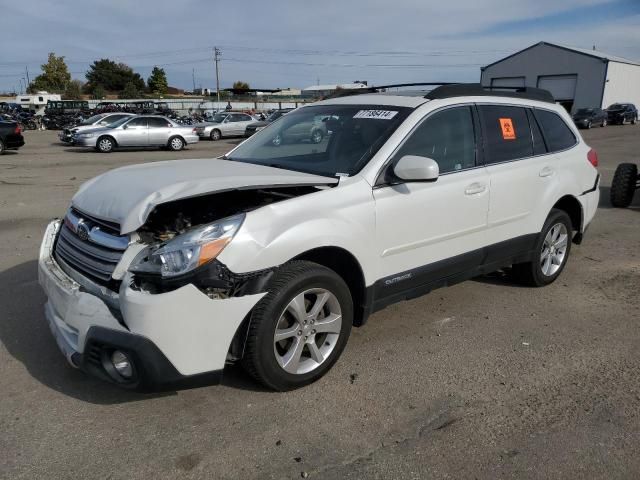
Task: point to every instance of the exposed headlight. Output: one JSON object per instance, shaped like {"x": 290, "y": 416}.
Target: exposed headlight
{"x": 189, "y": 250}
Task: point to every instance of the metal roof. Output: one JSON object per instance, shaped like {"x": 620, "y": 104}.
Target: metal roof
{"x": 581, "y": 51}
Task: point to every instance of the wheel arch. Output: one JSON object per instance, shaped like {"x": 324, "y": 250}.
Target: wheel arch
{"x": 572, "y": 206}
{"x": 345, "y": 264}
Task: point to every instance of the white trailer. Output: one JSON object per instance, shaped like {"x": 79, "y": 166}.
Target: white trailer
{"x": 37, "y": 101}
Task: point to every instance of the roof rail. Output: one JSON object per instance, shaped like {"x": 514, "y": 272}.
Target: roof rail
{"x": 379, "y": 88}
{"x": 477, "y": 90}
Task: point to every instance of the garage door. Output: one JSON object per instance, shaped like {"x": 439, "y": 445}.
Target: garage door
{"x": 562, "y": 87}
{"x": 507, "y": 82}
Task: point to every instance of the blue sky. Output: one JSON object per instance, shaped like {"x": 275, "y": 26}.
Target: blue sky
{"x": 291, "y": 43}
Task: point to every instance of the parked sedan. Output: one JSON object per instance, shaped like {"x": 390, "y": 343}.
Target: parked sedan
{"x": 96, "y": 121}
{"x": 228, "y": 124}
{"x": 259, "y": 125}
{"x": 622, "y": 113}
{"x": 10, "y": 136}
{"x": 587, "y": 117}
{"x": 137, "y": 131}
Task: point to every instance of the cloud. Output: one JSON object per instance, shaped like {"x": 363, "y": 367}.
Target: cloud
{"x": 292, "y": 43}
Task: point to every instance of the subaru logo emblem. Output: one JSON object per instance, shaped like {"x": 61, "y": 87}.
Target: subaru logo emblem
{"x": 82, "y": 231}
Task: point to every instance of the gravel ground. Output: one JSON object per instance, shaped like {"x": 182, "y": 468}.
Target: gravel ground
{"x": 482, "y": 380}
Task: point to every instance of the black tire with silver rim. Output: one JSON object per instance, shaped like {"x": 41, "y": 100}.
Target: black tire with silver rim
{"x": 589, "y": 124}
{"x": 1, "y": 147}
{"x": 215, "y": 135}
{"x": 299, "y": 329}
{"x": 317, "y": 136}
{"x": 277, "y": 140}
{"x": 176, "y": 144}
{"x": 550, "y": 253}
{"x": 604, "y": 123}
{"x": 105, "y": 144}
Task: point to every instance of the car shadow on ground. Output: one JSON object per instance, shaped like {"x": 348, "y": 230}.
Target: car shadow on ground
{"x": 26, "y": 336}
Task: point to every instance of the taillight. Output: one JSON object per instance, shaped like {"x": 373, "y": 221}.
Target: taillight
{"x": 592, "y": 156}
{"x": 18, "y": 130}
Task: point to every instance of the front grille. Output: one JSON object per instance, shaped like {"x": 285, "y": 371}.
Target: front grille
{"x": 95, "y": 257}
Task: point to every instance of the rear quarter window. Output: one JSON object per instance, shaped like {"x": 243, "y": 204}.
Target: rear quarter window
{"x": 557, "y": 135}
{"x": 506, "y": 133}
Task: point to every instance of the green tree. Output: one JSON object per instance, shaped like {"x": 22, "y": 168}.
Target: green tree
{"x": 130, "y": 91}
{"x": 73, "y": 90}
{"x": 157, "y": 82}
{"x": 98, "y": 92}
{"x": 55, "y": 76}
{"x": 240, "y": 85}
{"x": 112, "y": 76}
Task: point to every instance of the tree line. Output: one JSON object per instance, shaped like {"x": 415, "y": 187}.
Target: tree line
{"x": 104, "y": 76}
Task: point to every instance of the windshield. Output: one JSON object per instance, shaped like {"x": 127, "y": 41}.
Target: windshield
{"x": 120, "y": 122}
{"x": 584, "y": 111}
{"x": 91, "y": 120}
{"x": 330, "y": 140}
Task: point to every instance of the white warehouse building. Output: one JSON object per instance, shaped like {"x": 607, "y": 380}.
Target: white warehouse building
{"x": 576, "y": 77}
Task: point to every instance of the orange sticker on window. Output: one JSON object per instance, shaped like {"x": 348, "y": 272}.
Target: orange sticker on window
{"x": 508, "y": 132}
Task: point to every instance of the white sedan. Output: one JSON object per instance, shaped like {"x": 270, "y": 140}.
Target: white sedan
{"x": 227, "y": 124}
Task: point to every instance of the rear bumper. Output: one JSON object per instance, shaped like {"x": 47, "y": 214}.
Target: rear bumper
{"x": 191, "y": 138}
{"x": 175, "y": 339}
{"x": 13, "y": 142}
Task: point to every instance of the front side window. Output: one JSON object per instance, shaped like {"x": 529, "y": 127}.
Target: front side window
{"x": 506, "y": 133}
{"x": 447, "y": 137}
{"x": 330, "y": 140}
{"x": 558, "y": 136}
{"x": 138, "y": 122}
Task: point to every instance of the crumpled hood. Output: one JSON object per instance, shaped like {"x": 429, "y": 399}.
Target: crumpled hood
{"x": 127, "y": 195}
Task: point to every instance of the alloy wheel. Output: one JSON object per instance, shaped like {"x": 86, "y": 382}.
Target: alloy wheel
{"x": 554, "y": 249}
{"x": 307, "y": 331}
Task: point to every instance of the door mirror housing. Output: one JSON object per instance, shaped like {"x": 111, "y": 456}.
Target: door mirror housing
{"x": 124, "y": 127}
{"x": 413, "y": 168}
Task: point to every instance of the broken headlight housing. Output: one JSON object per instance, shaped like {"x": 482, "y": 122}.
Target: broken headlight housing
{"x": 190, "y": 250}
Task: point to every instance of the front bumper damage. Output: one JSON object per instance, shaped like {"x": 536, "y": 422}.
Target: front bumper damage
{"x": 174, "y": 339}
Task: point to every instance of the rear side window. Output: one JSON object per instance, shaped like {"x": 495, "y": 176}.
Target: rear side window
{"x": 157, "y": 123}
{"x": 558, "y": 136}
{"x": 507, "y": 135}
{"x": 447, "y": 137}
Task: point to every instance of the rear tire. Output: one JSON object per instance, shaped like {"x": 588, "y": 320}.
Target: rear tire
{"x": 2, "y": 148}
{"x": 623, "y": 185}
{"x": 310, "y": 340}
{"x": 215, "y": 135}
{"x": 550, "y": 253}
{"x": 175, "y": 144}
{"x": 589, "y": 125}
{"x": 604, "y": 123}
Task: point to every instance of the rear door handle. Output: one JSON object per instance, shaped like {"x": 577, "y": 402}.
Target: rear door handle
{"x": 475, "y": 188}
{"x": 546, "y": 172}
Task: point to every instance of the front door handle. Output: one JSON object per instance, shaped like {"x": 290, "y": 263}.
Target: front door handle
{"x": 475, "y": 189}
{"x": 546, "y": 172}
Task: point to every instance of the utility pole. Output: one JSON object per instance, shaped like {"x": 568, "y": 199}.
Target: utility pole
{"x": 26, "y": 69}
{"x": 193, "y": 74}
{"x": 216, "y": 58}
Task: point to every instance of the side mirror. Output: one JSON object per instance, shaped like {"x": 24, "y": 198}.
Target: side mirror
{"x": 104, "y": 123}
{"x": 124, "y": 127}
{"x": 413, "y": 168}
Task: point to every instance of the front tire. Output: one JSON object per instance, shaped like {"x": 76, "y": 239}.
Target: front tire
{"x": 550, "y": 254}
{"x": 1, "y": 147}
{"x": 589, "y": 124}
{"x": 604, "y": 123}
{"x": 105, "y": 144}
{"x": 623, "y": 185}
{"x": 299, "y": 329}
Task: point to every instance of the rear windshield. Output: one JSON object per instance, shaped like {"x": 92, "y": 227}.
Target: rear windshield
{"x": 329, "y": 140}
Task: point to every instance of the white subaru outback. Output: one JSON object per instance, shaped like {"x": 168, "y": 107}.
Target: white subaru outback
{"x": 161, "y": 274}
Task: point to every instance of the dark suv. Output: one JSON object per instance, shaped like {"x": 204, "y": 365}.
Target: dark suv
{"x": 10, "y": 136}
{"x": 587, "y": 117}
{"x": 622, "y": 113}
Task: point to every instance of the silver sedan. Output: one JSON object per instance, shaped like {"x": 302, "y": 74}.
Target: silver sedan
{"x": 138, "y": 131}
{"x": 227, "y": 124}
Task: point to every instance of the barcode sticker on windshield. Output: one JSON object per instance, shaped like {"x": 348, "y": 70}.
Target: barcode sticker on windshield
{"x": 378, "y": 114}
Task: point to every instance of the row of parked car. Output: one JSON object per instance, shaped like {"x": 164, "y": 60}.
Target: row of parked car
{"x": 618, "y": 113}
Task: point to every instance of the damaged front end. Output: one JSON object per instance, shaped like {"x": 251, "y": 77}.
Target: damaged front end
{"x": 184, "y": 238}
